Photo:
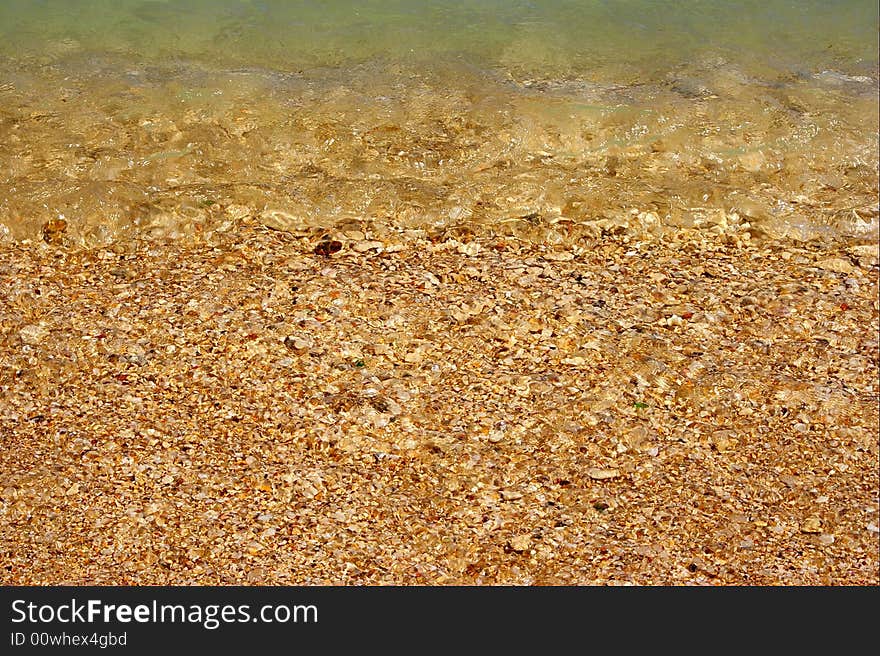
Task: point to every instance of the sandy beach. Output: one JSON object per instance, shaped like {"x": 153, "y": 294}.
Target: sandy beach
{"x": 414, "y": 408}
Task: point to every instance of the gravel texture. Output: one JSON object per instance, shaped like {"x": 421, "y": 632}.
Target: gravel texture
{"x": 413, "y": 408}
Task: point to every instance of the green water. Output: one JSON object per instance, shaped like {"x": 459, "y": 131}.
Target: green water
{"x": 132, "y": 117}
{"x": 542, "y": 38}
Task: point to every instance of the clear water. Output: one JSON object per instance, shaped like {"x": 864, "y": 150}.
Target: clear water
{"x": 644, "y": 38}
{"x": 170, "y": 117}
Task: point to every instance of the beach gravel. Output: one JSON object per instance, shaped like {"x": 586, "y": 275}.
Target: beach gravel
{"x": 421, "y": 409}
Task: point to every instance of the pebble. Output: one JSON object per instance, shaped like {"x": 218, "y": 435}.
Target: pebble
{"x": 281, "y": 220}
{"x": 836, "y": 264}
{"x": 53, "y": 231}
{"x": 297, "y": 343}
{"x": 521, "y": 543}
{"x": 414, "y": 357}
{"x": 867, "y": 254}
{"x": 559, "y": 256}
{"x": 602, "y": 474}
{"x": 393, "y": 407}
{"x": 33, "y": 334}
{"x": 811, "y": 525}
{"x": 354, "y": 235}
{"x": 495, "y": 436}
{"x": 470, "y": 249}
{"x": 364, "y": 246}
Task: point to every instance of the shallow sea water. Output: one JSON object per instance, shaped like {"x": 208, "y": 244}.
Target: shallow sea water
{"x": 167, "y": 118}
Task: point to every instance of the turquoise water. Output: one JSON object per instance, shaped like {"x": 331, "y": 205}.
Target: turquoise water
{"x": 138, "y": 116}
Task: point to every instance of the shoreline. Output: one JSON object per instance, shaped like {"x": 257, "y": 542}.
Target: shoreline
{"x": 440, "y": 411}
{"x": 120, "y": 151}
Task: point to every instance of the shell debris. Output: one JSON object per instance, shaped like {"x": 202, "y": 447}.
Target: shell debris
{"x": 272, "y": 408}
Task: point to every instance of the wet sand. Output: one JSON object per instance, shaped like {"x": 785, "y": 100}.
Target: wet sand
{"x": 439, "y": 408}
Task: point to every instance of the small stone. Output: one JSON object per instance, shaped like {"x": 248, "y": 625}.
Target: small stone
{"x": 826, "y": 539}
{"x": 602, "y": 474}
{"x": 721, "y": 493}
{"x": 754, "y": 161}
{"x": 272, "y": 218}
{"x": 393, "y": 407}
{"x": 297, "y": 343}
{"x": 866, "y": 254}
{"x": 511, "y": 495}
{"x": 459, "y": 212}
{"x": 723, "y": 440}
{"x": 364, "y": 246}
{"x": 328, "y": 247}
{"x": 122, "y": 272}
{"x": 53, "y": 231}
{"x": 836, "y": 264}
{"x": 414, "y": 357}
{"x": 470, "y": 249}
{"x": 308, "y": 490}
{"x": 559, "y": 256}
{"x": 812, "y": 525}
{"x": 521, "y": 543}
{"x": 33, "y": 334}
